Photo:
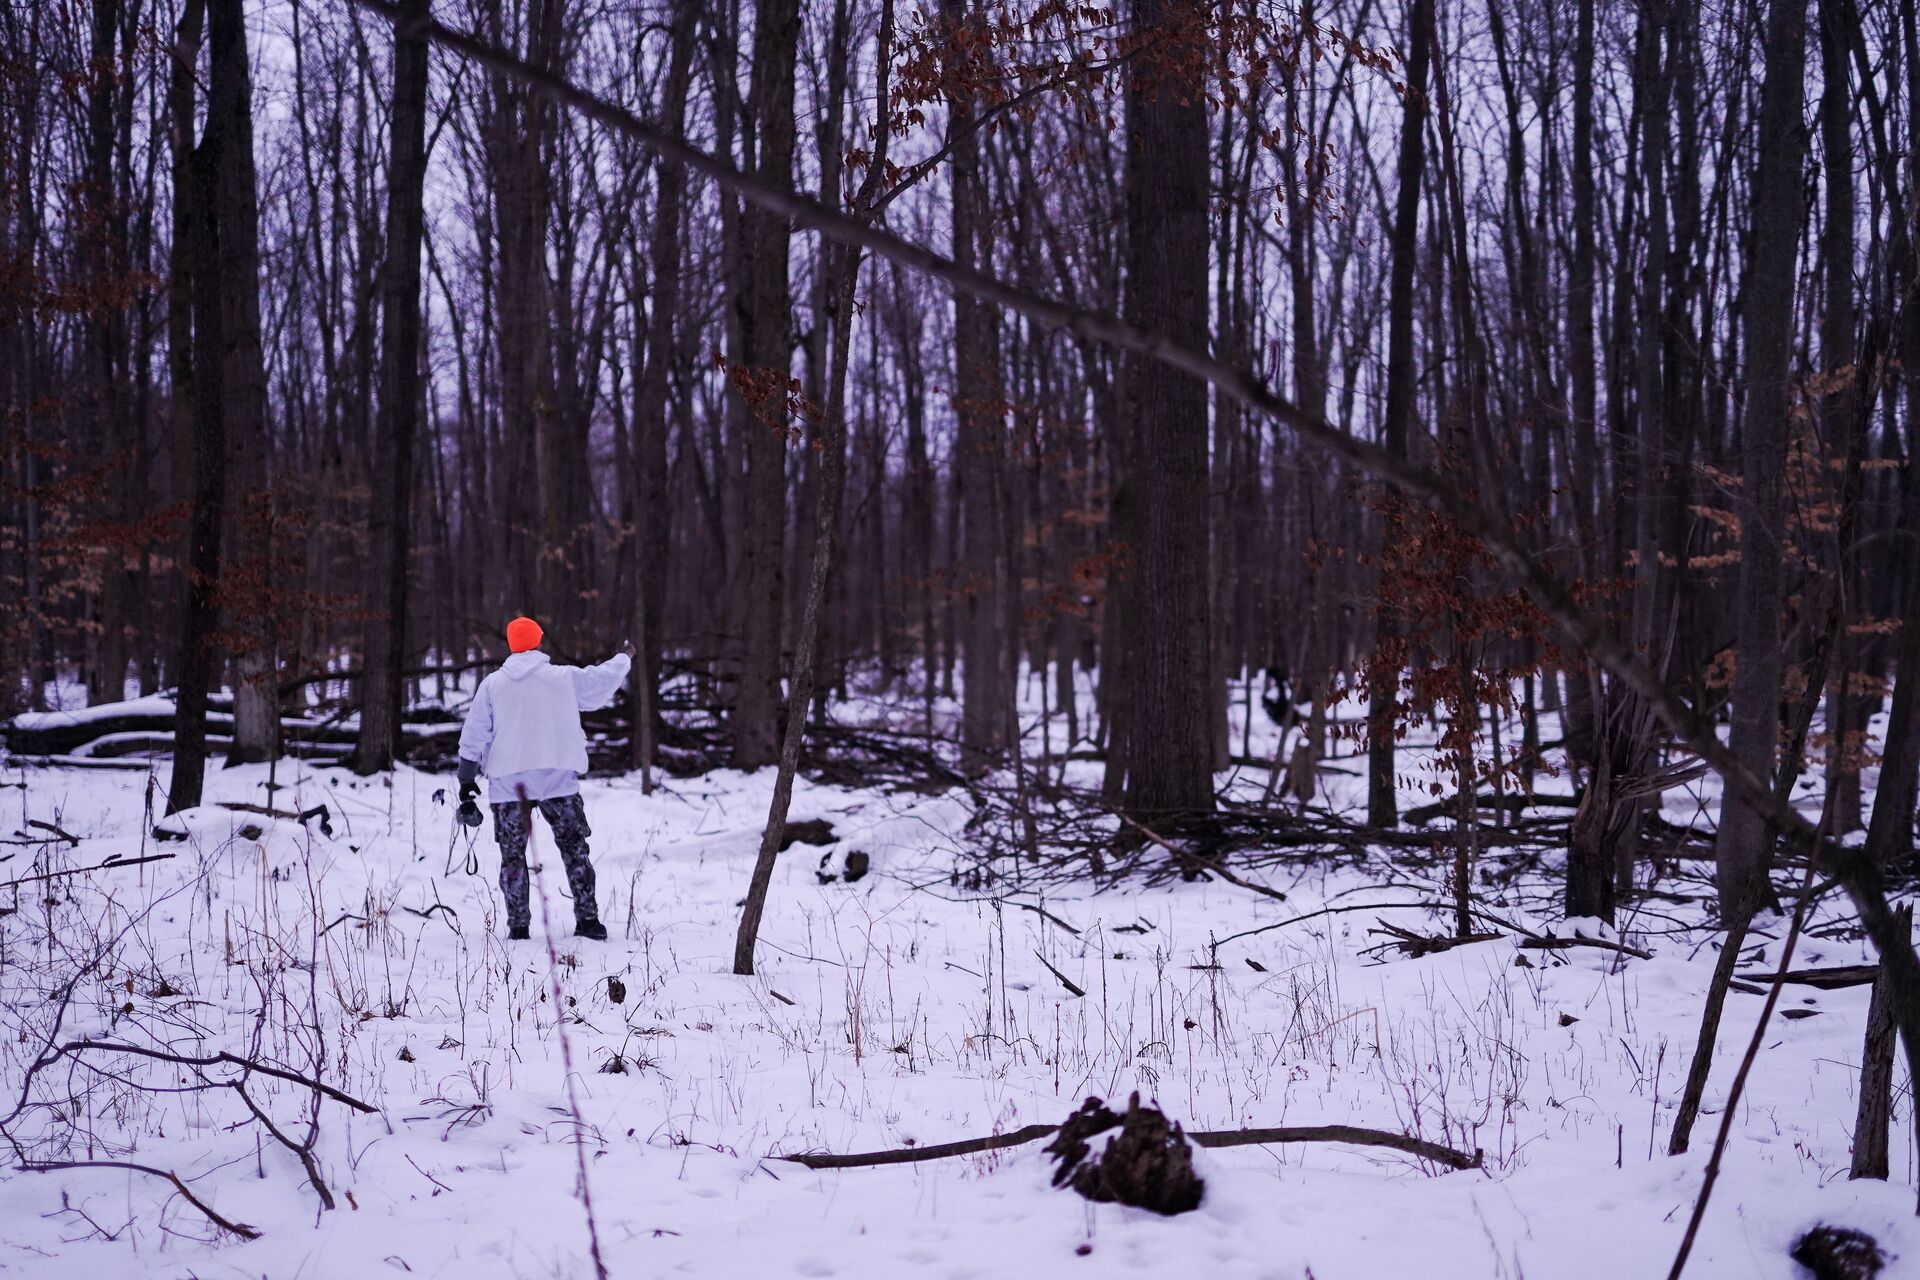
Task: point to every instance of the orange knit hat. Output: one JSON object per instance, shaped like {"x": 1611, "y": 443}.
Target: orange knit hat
{"x": 523, "y": 634}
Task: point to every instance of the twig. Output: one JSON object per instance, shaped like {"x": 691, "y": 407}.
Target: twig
{"x": 240, "y": 1229}
{"x": 1315, "y": 915}
{"x": 1532, "y": 941}
{"x": 1420, "y": 944}
{"x": 429, "y": 1177}
{"x": 1548, "y": 942}
{"x": 1190, "y": 858}
{"x": 111, "y": 864}
{"x": 214, "y": 1060}
{"x": 1045, "y": 914}
{"x": 304, "y": 1151}
{"x": 1064, "y": 980}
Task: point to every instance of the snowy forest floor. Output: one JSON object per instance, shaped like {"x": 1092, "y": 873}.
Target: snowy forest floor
{"x": 918, "y": 1004}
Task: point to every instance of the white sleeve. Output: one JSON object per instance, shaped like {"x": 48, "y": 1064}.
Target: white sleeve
{"x": 476, "y": 735}
{"x": 594, "y": 686}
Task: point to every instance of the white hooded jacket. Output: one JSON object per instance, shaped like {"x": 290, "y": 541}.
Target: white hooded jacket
{"x": 523, "y": 729}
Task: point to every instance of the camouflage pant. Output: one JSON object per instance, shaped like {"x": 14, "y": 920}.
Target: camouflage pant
{"x": 567, "y": 815}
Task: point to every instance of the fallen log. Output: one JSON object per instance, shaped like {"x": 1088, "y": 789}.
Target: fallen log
{"x": 1549, "y": 942}
{"x": 1349, "y": 1135}
{"x": 1831, "y": 979}
{"x": 1421, "y": 815}
{"x": 110, "y": 730}
{"x": 914, "y": 1155}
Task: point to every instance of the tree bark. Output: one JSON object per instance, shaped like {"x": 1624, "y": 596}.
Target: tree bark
{"x": 115, "y": 437}
{"x": 1890, "y": 828}
{"x": 979, "y": 449}
{"x": 1743, "y": 849}
{"x": 1167, "y": 754}
{"x": 1874, "y": 1115}
{"x": 385, "y": 640}
{"x": 764, "y": 316}
{"x": 652, "y": 527}
{"x": 234, "y": 212}
{"x": 1842, "y": 408}
{"x": 193, "y": 331}
{"x": 1397, "y": 417}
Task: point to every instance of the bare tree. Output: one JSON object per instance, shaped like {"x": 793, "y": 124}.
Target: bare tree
{"x": 763, "y": 316}
{"x": 1743, "y": 848}
{"x": 1166, "y": 756}
{"x": 385, "y": 646}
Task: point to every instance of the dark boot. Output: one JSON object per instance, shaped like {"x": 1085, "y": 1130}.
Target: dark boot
{"x": 591, "y": 929}
{"x": 518, "y": 933}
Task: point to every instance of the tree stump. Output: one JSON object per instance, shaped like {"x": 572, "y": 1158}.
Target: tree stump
{"x": 1148, "y": 1164}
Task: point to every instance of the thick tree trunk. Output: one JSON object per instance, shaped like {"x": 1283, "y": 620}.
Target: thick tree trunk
{"x": 1397, "y": 418}
{"x": 1167, "y": 753}
{"x": 198, "y": 433}
{"x": 1743, "y": 847}
{"x": 978, "y": 452}
{"x": 653, "y": 531}
{"x": 764, "y": 313}
{"x": 235, "y": 214}
{"x": 1606, "y": 826}
{"x": 1890, "y": 828}
{"x": 115, "y": 434}
{"x": 523, "y": 525}
{"x": 384, "y": 647}
{"x": 1843, "y": 409}
{"x": 1579, "y": 715}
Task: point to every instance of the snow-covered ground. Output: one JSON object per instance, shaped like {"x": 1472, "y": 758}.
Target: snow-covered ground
{"x": 906, "y": 1007}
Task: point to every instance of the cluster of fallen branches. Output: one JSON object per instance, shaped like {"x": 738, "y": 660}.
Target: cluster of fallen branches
{"x": 82, "y": 965}
{"x": 1056, "y": 835}
{"x": 193, "y": 1073}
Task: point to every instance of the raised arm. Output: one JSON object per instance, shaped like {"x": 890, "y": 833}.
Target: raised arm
{"x": 595, "y": 686}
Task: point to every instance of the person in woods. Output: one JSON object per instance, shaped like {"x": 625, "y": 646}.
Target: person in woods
{"x": 523, "y": 730}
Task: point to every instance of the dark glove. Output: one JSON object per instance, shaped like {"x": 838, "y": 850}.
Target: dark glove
{"x": 468, "y": 813}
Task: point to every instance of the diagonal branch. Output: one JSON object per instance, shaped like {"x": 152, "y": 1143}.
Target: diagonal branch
{"x": 303, "y": 1151}
{"x": 240, "y": 1229}
{"x": 216, "y": 1059}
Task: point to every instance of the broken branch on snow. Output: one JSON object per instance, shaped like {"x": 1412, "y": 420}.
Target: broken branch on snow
{"x": 1346, "y": 1134}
